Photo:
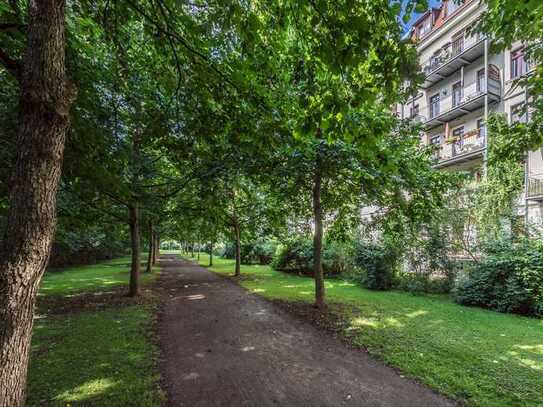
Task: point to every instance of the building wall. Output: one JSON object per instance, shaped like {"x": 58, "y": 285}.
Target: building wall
{"x": 447, "y": 26}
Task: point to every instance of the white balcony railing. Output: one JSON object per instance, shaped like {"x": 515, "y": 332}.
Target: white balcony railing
{"x": 452, "y": 147}
{"x": 456, "y": 100}
{"x": 449, "y": 51}
{"x": 469, "y": 142}
{"x": 535, "y": 185}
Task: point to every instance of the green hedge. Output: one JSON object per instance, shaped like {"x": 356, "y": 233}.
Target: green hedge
{"x": 509, "y": 278}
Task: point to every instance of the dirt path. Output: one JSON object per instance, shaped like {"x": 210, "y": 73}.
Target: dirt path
{"x": 222, "y": 346}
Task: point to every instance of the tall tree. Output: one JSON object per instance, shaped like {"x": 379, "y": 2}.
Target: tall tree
{"x": 46, "y": 96}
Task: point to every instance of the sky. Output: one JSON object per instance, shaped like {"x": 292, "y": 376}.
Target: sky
{"x": 431, "y": 3}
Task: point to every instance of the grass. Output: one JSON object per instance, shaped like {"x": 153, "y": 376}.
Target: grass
{"x": 103, "y": 358}
{"x": 89, "y": 278}
{"x": 481, "y": 357}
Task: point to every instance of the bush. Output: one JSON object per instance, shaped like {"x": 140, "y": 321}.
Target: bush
{"x": 296, "y": 256}
{"x": 255, "y": 252}
{"x": 424, "y": 283}
{"x": 375, "y": 266}
{"x": 509, "y": 278}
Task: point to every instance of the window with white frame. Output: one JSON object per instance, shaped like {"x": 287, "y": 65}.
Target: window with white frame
{"x": 518, "y": 63}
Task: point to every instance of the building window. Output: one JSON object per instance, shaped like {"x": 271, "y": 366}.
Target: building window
{"x": 481, "y": 127}
{"x": 518, "y": 113}
{"x": 414, "y": 111}
{"x": 454, "y": 5}
{"x": 425, "y": 27}
{"x": 457, "y": 94}
{"x": 458, "y": 43}
{"x": 434, "y": 106}
{"x": 518, "y": 64}
{"x": 481, "y": 83}
{"x": 458, "y": 132}
{"x": 435, "y": 140}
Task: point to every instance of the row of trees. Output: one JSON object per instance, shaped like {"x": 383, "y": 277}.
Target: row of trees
{"x": 201, "y": 119}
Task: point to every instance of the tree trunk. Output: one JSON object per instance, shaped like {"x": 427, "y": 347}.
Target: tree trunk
{"x": 153, "y": 239}
{"x": 198, "y": 252}
{"x": 157, "y": 246}
{"x": 210, "y": 254}
{"x": 135, "y": 242}
{"x": 317, "y": 237}
{"x": 151, "y": 248}
{"x": 192, "y": 250}
{"x": 238, "y": 249}
{"x": 44, "y": 121}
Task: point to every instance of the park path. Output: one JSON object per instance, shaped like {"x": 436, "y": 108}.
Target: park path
{"x": 223, "y": 346}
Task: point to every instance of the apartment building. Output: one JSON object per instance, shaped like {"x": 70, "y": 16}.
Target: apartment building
{"x": 464, "y": 83}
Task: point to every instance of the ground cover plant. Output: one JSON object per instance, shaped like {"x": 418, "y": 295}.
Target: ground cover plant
{"x": 84, "y": 356}
{"x": 480, "y": 357}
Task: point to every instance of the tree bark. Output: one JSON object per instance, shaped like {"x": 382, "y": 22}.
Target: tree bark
{"x": 151, "y": 248}
{"x": 237, "y": 272}
{"x": 154, "y": 240}
{"x": 135, "y": 242}
{"x": 198, "y": 251}
{"x": 192, "y": 250}
{"x": 210, "y": 254}
{"x": 317, "y": 236}
{"x": 44, "y": 120}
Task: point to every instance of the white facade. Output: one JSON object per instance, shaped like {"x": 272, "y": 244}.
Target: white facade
{"x": 464, "y": 82}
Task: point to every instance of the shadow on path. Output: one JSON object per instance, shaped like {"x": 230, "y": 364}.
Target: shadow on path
{"x": 223, "y": 346}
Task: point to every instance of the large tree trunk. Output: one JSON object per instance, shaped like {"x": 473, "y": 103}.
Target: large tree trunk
{"x": 151, "y": 248}
{"x": 210, "y": 254}
{"x": 238, "y": 249}
{"x": 317, "y": 236}
{"x": 45, "y": 101}
{"x": 135, "y": 243}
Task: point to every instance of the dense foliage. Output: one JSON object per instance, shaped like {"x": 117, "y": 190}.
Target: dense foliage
{"x": 509, "y": 278}
{"x": 296, "y": 256}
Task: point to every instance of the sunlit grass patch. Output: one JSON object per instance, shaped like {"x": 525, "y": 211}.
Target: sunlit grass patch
{"x": 94, "y": 358}
{"x": 89, "y": 278}
{"x": 481, "y": 357}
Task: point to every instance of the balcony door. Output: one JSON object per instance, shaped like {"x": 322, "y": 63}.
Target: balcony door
{"x": 457, "y": 46}
{"x": 434, "y": 105}
{"x": 481, "y": 81}
{"x": 458, "y": 135}
{"x": 457, "y": 94}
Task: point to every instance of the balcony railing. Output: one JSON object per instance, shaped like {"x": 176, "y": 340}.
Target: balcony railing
{"x": 471, "y": 141}
{"x": 535, "y": 186}
{"x": 450, "y": 51}
{"x": 465, "y": 100}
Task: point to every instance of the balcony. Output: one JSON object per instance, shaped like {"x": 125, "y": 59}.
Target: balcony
{"x": 535, "y": 187}
{"x": 469, "y": 99}
{"x": 461, "y": 150}
{"x": 451, "y": 57}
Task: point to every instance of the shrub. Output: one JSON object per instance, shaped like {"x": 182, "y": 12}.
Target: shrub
{"x": 296, "y": 256}
{"x": 509, "y": 278}
{"x": 417, "y": 283}
{"x": 375, "y": 266}
{"x": 258, "y": 251}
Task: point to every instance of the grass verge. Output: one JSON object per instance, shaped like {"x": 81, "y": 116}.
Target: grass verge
{"x": 480, "y": 357}
{"x": 98, "y": 358}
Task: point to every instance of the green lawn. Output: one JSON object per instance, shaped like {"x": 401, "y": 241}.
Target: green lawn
{"x": 93, "y": 277}
{"x": 478, "y": 356}
{"x": 103, "y": 358}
